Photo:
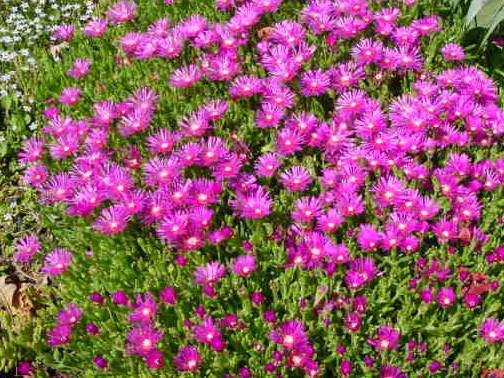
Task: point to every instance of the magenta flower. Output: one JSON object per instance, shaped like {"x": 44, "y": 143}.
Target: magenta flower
{"x": 314, "y": 83}
{"x": 245, "y": 86}
{"x": 289, "y": 141}
{"x": 56, "y": 262}
{"x": 445, "y": 230}
{"x": 27, "y": 248}
{"x": 32, "y": 150}
{"x": 92, "y": 329}
{"x": 390, "y": 371}
{"x": 35, "y": 175}
{"x": 268, "y": 116}
{"x": 122, "y": 11}
{"x": 288, "y": 33}
{"x": 367, "y": 51}
{"x": 79, "y": 69}
{"x": 492, "y": 331}
{"x": 352, "y": 321}
{"x": 112, "y": 220}
{"x": 362, "y": 270}
{"x": 63, "y": 33}
{"x": 387, "y": 338}
{"x": 168, "y": 295}
{"x": 290, "y": 334}
{"x": 95, "y": 28}
{"x": 369, "y": 238}
{"x": 142, "y": 339}
{"x": 57, "y": 188}
{"x": 278, "y": 94}
{"x": 59, "y": 335}
{"x": 145, "y": 309}
{"x": 154, "y": 359}
{"x": 446, "y": 297}
{"x": 208, "y": 333}
{"x": 209, "y": 274}
{"x": 244, "y": 265}
{"x": 195, "y": 125}
{"x": 25, "y": 368}
{"x": 193, "y": 25}
{"x": 185, "y": 76}
{"x": 188, "y": 358}
{"x": 306, "y": 209}
{"x": 64, "y": 146}
{"x": 296, "y": 178}
{"x": 255, "y": 204}
{"x": 70, "y": 315}
{"x": 137, "y": 120}
{"x": 100, "y": 362}
{"x": 453, "y": 52}
{"x": 329, "y": 221}
{"x": 120, "y": 298}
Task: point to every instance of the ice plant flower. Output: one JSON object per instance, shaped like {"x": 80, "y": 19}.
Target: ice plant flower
{"x": 70, "y": 315}
{"x": 56, "y": 262}
{"x": 254, "y": 204}
{"x": 446, "y": 296}
{"x": 122, "y": 11}
{"x": 142, "y": 339}
{"x": 492, "y": 330}
{"x": 244, "y": 265}
{"x": 27, "y": 248}
{"x": 145, "y": 309}
{"x": 453, "y": 52}
{"x": 387, "y": 338}
{"x": 290, "y": 334}
{"x": 59, "y": 335}
{"x": 188, "y": 358}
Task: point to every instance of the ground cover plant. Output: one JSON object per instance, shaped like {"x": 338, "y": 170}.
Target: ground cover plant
{"x": 262, "y": 188}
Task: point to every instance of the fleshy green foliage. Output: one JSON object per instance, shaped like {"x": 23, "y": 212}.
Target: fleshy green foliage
{"x": 136, "y": 261}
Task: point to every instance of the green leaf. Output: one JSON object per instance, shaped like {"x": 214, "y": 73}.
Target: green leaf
{"x": 475, "y": 7}
{"x": 499, "y": 17}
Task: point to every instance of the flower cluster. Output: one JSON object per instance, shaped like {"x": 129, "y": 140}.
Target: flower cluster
{"x": 364, "y": 176}
{"x": 23, "y": 25}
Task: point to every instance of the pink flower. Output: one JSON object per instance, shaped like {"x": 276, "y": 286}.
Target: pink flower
{"x": 185, "y": 76}
{"x": 296, "y": 178}
{"x": 254, "y": 204}
{"x": 154, "y": 359}
{"x": 244, "y": 265}
{"x": 27, "y": 248}
{"x": 70, "y": 315}
{"x": 168, "y": 295}
{"x": 145, "y": 309}
{"x": 142, "y": 339}
{"x": 122, "y": 11}
{"x": 387, "y": 338}
{"x": 112, "y": 220}
{"x": 56, "y": 262}
{"x": 492, "y": 331}
{"x": 63, "y": 33}
{"x": 453, "y": 52}
{"x": 209, "y": 274}
{"x": 290, "y": 334}
{"x": 446, "y": 297}
{"x": 208, "y": 333}
{"x": 32, "y": 150}
{"x": 59, "y": 335}
{"x": 79, "y": 69}
{"x": 314, "y": 83}
{"x": 95, "y": 28}
{"x": 288, "y": 33}
{"x": 188, "y": 358}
